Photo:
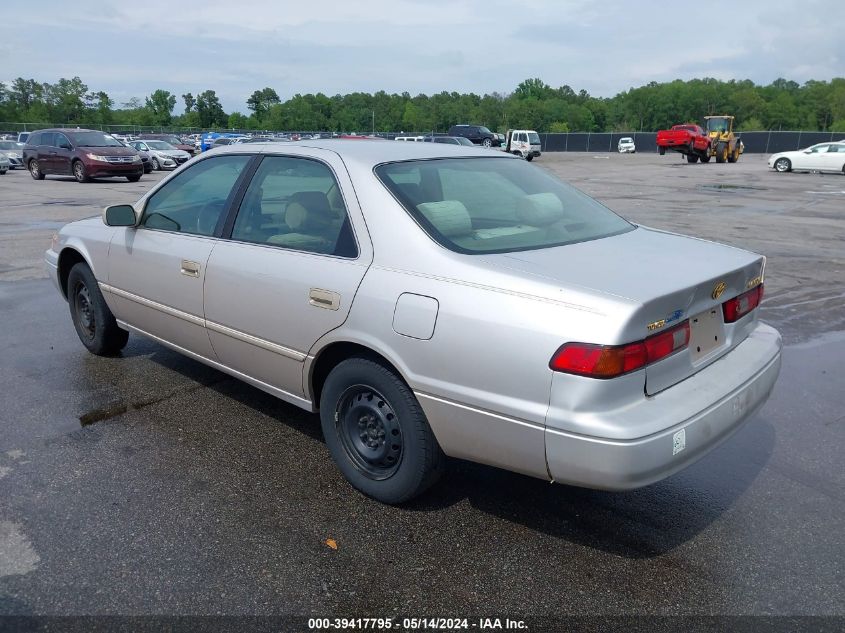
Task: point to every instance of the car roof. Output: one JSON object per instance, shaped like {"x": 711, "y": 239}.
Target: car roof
{"x": 369, "y": 153}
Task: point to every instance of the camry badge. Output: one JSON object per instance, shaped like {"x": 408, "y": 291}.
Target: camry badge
{"x": 718, "y": 289}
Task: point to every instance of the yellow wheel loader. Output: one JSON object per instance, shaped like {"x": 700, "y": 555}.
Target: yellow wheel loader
{"x": 724, "y": 144}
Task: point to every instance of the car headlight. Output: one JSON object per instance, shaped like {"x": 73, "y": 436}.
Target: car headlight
{"x": 136, "y": 159}
{"x": 102, "y": 159}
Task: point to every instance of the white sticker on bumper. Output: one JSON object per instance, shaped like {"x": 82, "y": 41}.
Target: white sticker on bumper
{"x": 679, "y": 441}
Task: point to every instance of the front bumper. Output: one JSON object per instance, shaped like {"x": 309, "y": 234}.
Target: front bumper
{"x": 696, "y": 415}
{"x": 51, "y": 265}
{"x": 104, "y": 170}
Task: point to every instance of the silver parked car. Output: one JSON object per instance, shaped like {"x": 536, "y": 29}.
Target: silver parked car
{"x": 162, "y": 154}
{"x": 14, "y": 152}
{"x": 429, "y": 299}
{"x": 5, "y": 164}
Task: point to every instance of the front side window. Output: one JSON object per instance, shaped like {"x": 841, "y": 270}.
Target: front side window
{"x": 61, "y": 141}
{"x": 496, "y": 205}
{"x": 295, "y": 203}
{"x": 48, "y": 138}
{"x": 195, "y": 199}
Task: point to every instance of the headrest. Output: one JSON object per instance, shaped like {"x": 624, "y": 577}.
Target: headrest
{"x": 308, "y": 211}
{"x": 539, "y": 209}
{"x": 450, "y": 217}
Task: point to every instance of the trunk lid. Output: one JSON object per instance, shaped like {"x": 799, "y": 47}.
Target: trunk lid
{"x": 668, "y": 277}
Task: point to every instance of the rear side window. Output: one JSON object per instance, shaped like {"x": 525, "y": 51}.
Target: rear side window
{"x": 295, "y": 203}
{"x": 34, "y": 139}
{"x": 496, "y": 205}
{"x": 47, "y": 138}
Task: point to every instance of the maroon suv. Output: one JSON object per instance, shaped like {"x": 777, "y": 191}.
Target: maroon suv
{"x": 83, "y": 154}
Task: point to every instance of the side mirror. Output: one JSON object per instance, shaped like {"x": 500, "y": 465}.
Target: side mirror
{"x": 119, "y": 215}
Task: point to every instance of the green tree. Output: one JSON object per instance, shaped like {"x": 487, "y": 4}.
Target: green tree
{"x": 210, "y": 111}
{"x": 161, "y": 104}
{"x": 261, "y": 101}
{"x": 190, "y": 102}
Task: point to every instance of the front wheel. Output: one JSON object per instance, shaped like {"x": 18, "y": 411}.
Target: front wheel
{"x": 705, "y": 158}
{"x": 134, "y": 178}
{"x": 94, "y": 322}
{"x": 692, "y": 158}
{"x": 35, "y": 170}
{"x": 156, "y": 166}
{"x": 377, "y": 432}
{"x": 80, "y": 173}
{"x": 783, "y": 165}
{"x": 529, "y": 157}
{"x": 487, "y": 142}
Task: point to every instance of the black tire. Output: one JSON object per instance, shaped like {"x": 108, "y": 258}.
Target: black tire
{"x": 661, "y": 150}
{"x": 134, "y": 178}
{"x": 377, "y": 433}
{"x": 487, "y": 142}
{"x": 35, "y": 170}
{"x": 721, "y": 152}
{"x": 79, "y": 171}
{"x": 783, "y": 165}
{"x": 3, "y": 173}
{"x": 692, "y": 158}
{"x": 529, "y": 157}
{"x": 94, "y": 322}
{"x": 705, "y": 158}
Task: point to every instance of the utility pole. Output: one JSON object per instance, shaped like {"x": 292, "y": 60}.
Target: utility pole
{"x": 374, "y": 122}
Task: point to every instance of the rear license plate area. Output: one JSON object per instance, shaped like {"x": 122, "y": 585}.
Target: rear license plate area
{"x": 707, "y": 333}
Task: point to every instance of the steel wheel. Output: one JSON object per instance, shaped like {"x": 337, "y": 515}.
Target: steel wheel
{"x": 782, "y": 165}
{"x": 369, "y": 431}
{"x": 84, "y": 310}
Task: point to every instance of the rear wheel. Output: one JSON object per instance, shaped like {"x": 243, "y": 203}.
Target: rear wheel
{"x": 79, "y": 172}
{"x": 35, "y": 170}
{"x": 377, "y": 433}
{"x": 692, "y": 158}
{"x": 94, "y": 322}
{"x": 783, "y": 165}
{"x": 661, "y": 150}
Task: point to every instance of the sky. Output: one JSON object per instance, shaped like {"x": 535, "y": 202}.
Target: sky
{"x": 416, "y": 46}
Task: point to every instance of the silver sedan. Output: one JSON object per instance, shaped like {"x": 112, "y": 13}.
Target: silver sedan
{"x": 162, "y": 154}
{"x": 430, "y": 300}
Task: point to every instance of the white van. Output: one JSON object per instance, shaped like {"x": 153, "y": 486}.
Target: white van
{"x": 525, "y": 143}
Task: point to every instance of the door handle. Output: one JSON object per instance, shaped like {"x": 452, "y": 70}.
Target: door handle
{"x": 189, "y": 268}
{"x": 324, "y": 299}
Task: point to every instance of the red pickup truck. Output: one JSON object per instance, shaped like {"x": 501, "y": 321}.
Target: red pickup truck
{"x": 688, "y": 139}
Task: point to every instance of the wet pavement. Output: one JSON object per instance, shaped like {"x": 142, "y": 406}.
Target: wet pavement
{"x": 151, "y": 484}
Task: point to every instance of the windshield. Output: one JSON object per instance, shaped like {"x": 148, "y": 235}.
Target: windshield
{"x": 496, "y": 205}
{"x": 534, "y": 138}
{"x": 159, "y": 145}
{"x": 717, "y": 125}
{"x": 10, "y": 145}
{"x": 95, "y": 139}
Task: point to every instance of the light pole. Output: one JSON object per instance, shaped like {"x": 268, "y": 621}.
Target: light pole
{"x": 374, "y": 122}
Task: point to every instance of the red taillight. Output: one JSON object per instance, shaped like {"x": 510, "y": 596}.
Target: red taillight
{"x": 736, "y": 308}
{"x": 605, "y": 361}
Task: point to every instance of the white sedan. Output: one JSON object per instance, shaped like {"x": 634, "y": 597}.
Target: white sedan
{"x": 820, "y": 157}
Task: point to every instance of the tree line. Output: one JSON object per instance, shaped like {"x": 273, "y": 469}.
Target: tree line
{"x": 781, "y": 105}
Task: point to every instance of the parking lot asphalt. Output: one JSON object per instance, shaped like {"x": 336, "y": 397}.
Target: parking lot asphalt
{"x": 151, "y": 484}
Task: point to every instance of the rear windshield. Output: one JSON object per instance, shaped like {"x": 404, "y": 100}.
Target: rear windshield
{"x": 496, "y": 205}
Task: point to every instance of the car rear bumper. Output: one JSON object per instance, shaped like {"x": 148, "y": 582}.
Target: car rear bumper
{"x": 700, "y": 412}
